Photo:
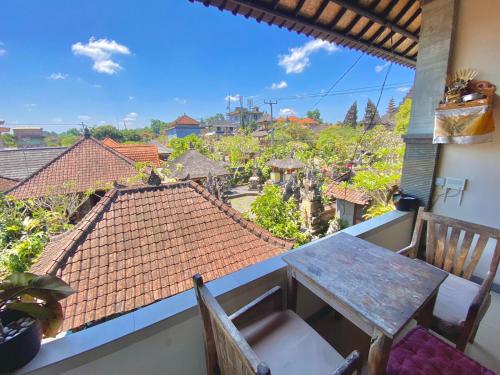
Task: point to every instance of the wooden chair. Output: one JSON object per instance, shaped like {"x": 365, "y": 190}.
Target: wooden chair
{"x": 263, "y": 338}
{"x": 456, "y": 246}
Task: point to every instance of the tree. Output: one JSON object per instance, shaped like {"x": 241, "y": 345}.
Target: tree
{"x": 8, "y": 140}
{"x": 281, "y": 218}
{"x": 214, "y": 118}
{"x": 107, "y": 131}
{"x": 402, "y": 117}
{"x": 315, "y": 115}
{"x": 336, "y": 146}
{"x": 238, "y": 148}
{"x": 371, "y": 117}
{"x": 181, "y": 145}
{"x": 157, "y": 126}
{"x": 391, "y": 108}
{"x": 351, "y": 117}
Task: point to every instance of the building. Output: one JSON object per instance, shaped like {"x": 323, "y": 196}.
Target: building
{"x": 350, "y": 203}
{"x": 87, "y": 165}
{"x": 297, "y": 120}
{"x": 435, "y": 38}
{"x": 220, "y": 128}
{"x": 163, "y": 150}
{"x": 121, "y": 260}
{"x": 29, "y": 137}
{"x": 282, "y": 169}
{"x": 244, "y": 116}
{"x": 182, "y": 127}
{"x": 139, "y": 153}
{"x": 18, "y": 164}
{"x": 192, "y": 165}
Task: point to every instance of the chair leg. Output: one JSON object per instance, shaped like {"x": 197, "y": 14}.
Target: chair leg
{"x": 473, "y": 334}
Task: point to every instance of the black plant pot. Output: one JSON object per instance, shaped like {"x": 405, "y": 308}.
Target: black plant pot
{"x": 22, "y": 348}
{"x": 407, "y": 203}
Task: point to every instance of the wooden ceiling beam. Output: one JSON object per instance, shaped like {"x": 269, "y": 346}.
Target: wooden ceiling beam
{"x": 375, "y": 18}
{"x": 301, "y": 21}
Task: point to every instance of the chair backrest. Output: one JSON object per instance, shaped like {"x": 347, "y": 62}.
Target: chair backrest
{"x": 455, "y": 245}
{"x": 225, "y": 348}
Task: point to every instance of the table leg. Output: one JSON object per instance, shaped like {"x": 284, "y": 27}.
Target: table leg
{"x": 424, "y": 318}
{"x": 291, "y": 300}
{"x": 379, "y": 353}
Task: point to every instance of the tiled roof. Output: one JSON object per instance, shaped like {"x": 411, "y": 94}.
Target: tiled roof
{"x": 136, "y": 152}
{"x": 4, "y": 129}
{"x": 162, "y": 149}
{"x": 297, "y": 120}
{"x": 348, "y": 194}
{"x": 19, "y": 163}
{"x": 184, "y": 120}
{"x": 140, "y": 245}
{"x": 88, "y": 164}
{"x": 289, "y": 163}
{"x": 193, "y": 164}
{"x": 110, "y": 142}
{"x": 7, "y": 183}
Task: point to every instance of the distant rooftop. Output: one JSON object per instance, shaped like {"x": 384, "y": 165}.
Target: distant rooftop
{"x": 88, "y": 164}
{"x": 193, "y": 164}
{"x": 136, "y": 152}
{"x": 184, "y": 120}
{"x": 140, "y": 245}
{"x": 20, "y": 163}
{"x": 7, "y": 183}
{"x": 347, "y": 193}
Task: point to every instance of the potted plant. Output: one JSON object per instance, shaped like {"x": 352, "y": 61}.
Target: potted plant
{"x": 29, "y": 308}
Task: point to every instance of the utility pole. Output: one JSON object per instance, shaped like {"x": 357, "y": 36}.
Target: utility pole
{"x": 271, "y": 103}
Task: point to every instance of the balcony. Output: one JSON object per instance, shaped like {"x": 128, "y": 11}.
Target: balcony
{"x": 166, "y": 337}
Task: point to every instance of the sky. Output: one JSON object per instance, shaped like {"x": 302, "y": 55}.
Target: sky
{"x": 114, "y": 62}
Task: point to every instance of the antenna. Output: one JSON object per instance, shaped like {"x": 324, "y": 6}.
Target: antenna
{"x": 271, "y": 103}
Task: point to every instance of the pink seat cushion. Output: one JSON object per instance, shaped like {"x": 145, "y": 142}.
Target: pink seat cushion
{"x": 421, "y": 353}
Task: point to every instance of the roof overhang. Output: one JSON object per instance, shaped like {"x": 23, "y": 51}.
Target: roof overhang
{"x": 388, "y": 29}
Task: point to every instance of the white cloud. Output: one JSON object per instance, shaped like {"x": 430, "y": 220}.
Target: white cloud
{"x": 379, "y": 68}
{"x": 84, "y": 117}
{"x": 57, "y": 76}
{"x": 403, "y": 89}
{"x": 180, "y": 100}
{"x": 3, "y": 51}
{"x": 298, "y": 57}
{"x": 287, "y": 112}
{"x": 232, "y": 98}
{"x": 131, "y": 117}
{"x": 101, "y": 51}
{"x": 97, "y": 86}
{"x": 131, "y": 98}
{"x": 279, "y": 85}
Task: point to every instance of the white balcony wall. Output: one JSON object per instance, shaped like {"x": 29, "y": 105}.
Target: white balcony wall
{"x": 476, "y": 45}
{"x": 166, "y": 337}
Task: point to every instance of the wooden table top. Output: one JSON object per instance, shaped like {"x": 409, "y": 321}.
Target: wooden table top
{"x": 384, "y": 288}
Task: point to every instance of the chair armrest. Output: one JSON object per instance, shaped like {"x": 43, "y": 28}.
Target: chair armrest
{"x": 351, "y": 363}
{"x": 269, "y": 302}
{"x": 480, "y": 296}
{"x": 407, "y": 251}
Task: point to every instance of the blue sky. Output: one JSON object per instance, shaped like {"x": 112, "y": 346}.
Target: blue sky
{"x": 63, "y": 62}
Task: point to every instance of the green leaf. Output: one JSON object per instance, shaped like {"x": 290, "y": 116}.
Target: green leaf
{"x": 49, "y": 288}
{"x": 32, "y": 309}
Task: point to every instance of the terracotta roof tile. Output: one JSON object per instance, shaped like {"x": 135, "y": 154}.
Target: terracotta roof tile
{"x": 7, "y": 183}
{"x": 136, "y": 152}
{"x": 88, "y": 164}
{"x": 348, "y": 194}
{"x": 117, "y": 260}
{"x": 184, "y": 120}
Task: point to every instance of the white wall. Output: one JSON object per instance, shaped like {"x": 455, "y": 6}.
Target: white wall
{"x": 477, "y": 46}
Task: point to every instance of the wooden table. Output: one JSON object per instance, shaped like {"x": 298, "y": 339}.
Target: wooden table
{"x": 376, "y": 289}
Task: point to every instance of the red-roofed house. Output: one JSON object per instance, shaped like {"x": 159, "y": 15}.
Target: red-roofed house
{"x": 140, "y": 153}
{"x": 350, "y": 203}
{"x": 182, "y": 127}
{"x": 88, "y": 164}
{"x": 140, "y": 245}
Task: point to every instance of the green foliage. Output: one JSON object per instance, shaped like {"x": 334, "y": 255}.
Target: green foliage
{"x": 68, "y": 140}
{"x": 238, "y": 148}
{"x": 157, "y": 127}
{"x": 281, "y": 218}
{"x": 8, "y": 140}
{"x": 216, "y": 117}
{"x": 402, "y": 117}
{"x": 25, "y": 227}
{"x": 107, "y": 131}
{"x": 378, "y": 209}
{"x": 289, "y": 132}
{"x": 181, "y": 145}
{"x": 336, "y": 146}
{"x": 37, "y": 296}
{"x": 315, "y": 115}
